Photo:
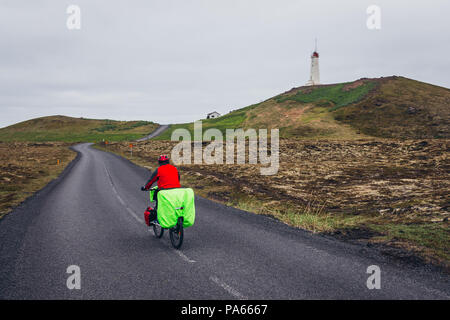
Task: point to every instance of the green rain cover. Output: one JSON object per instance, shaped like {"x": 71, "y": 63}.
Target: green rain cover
{"x": 169, "y": 203}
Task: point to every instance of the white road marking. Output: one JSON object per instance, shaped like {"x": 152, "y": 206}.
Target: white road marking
{"x": 227, "y": 288}
{"x": 120, "y": 199}
{"x": 134, "y": 215}
{"x": 184, "y": 257}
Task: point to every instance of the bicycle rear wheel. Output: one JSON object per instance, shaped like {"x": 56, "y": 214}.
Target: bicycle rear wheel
{"x": 158, "y": 230}
{"x": 177, "y": 234}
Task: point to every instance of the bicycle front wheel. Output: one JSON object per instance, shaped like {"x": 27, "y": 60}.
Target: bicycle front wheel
{"x": 158, "y": 230}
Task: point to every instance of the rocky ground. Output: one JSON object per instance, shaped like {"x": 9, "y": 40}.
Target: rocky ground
{"x": 380, "y": 192}
{"x": 27, "y": 167}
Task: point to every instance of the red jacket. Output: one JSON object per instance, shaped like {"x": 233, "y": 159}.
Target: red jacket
{"x": 167, "y": 176}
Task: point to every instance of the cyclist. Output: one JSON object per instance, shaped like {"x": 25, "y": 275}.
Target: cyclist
{"x": 166, "y": 175}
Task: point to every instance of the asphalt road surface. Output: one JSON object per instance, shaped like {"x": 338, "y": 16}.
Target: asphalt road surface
{"x": 92, "y": 217}
{"x": 155, "y": 133}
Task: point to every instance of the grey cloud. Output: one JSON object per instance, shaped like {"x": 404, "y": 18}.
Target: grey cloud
{"x": 174, "y": 61}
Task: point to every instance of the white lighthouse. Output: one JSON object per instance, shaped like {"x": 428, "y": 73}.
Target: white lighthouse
{"x": 314, "y": 78}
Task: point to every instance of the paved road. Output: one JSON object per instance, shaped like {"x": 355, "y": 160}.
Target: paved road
{"x": 92, "y": 217}
{"x": 155, "y": 133}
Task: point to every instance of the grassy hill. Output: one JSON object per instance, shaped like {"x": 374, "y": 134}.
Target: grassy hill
{"x": 391, "y": 107}
{"x": 67, "y": 129}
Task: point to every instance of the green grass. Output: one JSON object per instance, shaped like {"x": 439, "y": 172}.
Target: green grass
{"x": 364, "y": 108}
{"x": 70, "y": 137}
{"x": 310, "y": 217}
{"x": 232, "y": 120}
{"x": 326, "y": 98}
{"x": 115, "y": 126}
{"x": 385, "y": 113}
{"x": 333, "y": 96}
{"x": 433, "y": 236}
{"x": 67, "y": 129}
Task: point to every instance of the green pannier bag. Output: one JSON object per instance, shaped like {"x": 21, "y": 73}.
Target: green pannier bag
{"x": 152, "y": 193}
{"x": 175, "y": 203}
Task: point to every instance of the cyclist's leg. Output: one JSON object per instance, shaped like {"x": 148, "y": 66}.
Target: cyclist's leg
{"x": 155, "y": 196}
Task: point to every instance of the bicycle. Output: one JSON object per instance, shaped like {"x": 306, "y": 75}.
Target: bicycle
{"x": 176, "y": 233}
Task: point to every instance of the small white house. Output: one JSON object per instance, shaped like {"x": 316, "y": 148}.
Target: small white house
{"x": 212, "y": 115}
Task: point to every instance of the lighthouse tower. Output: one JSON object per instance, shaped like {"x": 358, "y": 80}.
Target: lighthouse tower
{"x": 314, "y": 78}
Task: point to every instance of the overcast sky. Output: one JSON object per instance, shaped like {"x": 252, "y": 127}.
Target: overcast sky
{"x": 172, "y": 61}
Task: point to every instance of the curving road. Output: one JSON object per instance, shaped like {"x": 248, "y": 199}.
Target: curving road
{"x": 155, "y": 133}
{"x": 92, "y": 217}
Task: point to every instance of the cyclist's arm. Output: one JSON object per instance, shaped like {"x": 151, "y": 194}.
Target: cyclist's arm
{"x": 152, "y": 180}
